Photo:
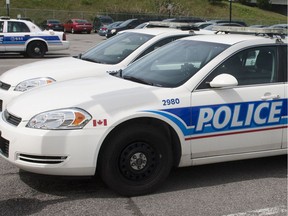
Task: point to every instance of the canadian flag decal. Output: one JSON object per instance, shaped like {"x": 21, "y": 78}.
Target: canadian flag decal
{"x": 101, "y": 122}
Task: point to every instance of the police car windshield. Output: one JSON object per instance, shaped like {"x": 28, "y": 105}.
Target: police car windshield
{"x": 173, "y": 64}
{"x": 117, "y": 48}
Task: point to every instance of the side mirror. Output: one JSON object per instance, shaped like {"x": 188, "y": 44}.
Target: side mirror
{"x": 223, "y": 80}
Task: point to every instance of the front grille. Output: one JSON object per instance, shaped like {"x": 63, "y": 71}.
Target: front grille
{"x": 11, "y": 118}
{"x": 42, "y": 159}
{"x": 4, "y": 147}
{"x": 4, "y": 86}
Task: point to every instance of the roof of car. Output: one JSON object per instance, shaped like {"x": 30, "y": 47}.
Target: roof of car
{"x": 231, "y": 39}
{"x": 158, "y": 31}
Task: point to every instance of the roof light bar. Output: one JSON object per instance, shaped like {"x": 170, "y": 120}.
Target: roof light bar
{"x": 177, "y": 25}
{"x": 233, "y": 29}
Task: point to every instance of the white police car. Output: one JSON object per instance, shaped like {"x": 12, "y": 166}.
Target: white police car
{"x": 198, "y": 100}
{"x": 108, "y": 56}
{"x": 25, "y": 37}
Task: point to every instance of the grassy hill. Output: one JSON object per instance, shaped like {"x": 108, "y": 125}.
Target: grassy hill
{"x": 42, "y": 9}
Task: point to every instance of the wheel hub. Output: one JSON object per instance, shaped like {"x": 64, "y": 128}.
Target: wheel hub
{"x": 37, "y": 50}
{"x": 138, "y": 161}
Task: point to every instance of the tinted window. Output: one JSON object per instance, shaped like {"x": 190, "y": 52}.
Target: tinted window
{"x": 252, "y": 66}
{"x": 173, "y": 64}
{"x": 117, "y": 48}
{"x": 160, "y": 44}
{"x": 17, "y": 27}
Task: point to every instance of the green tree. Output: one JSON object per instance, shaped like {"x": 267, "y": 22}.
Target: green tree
{"x": 264, "y": 4}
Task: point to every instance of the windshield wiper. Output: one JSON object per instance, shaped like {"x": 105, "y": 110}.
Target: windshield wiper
{"x": 135, "y": 79}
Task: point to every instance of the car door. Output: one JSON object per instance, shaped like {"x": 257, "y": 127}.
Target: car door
{"x": 245, "y": 118}
{"x": 2, "y": 47}
{"x": 68, "y": 25}
{"x": 16, "y": 36}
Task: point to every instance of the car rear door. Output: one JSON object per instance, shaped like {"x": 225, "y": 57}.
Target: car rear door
{"x": 246, "y": 118}
{"x": 17, "y": 35}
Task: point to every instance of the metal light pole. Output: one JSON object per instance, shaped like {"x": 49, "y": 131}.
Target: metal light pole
{"x": 230, "y": 10}
{"x": 8, "y": 7}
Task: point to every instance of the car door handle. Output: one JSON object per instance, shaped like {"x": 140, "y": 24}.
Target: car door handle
{"x": 269, "y": 96}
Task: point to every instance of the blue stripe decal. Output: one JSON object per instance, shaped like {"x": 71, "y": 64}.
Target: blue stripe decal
{"x": 21, "y": 40}
{"x": 219, "y": 118}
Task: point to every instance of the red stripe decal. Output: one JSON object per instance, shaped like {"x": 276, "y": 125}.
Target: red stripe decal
{"x": 233, "y": 133}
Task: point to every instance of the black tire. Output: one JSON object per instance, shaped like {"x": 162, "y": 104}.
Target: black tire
{"x": 136, "y": 160}
{"x": 36, "y": 49}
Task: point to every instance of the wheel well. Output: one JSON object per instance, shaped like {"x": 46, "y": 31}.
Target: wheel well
{"x": 43, "y": 42}
{"x": 161, "y": 126}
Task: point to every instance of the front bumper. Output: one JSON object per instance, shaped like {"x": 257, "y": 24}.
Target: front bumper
{"x": 52, "y": 152}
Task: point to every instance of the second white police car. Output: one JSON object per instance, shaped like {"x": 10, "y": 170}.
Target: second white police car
{"x": 198, "y": 100}
{"x": 108, "y": 56}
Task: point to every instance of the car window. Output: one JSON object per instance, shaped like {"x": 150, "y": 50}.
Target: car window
{"x": 1, "y": 26}
{"x": 173, "y": 64}
{"x": 17, "y": 27}
{"x": 117, "y": 48}
{"x": 159, "y": 44}
{"x": 252, "y": 66}
{"x": 283, "y": 63}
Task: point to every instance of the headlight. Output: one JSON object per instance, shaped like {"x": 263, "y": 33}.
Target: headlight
{"x": 62, "y": 119}
{"x": 32, "y": 83}
{"x": 113, "y": 31}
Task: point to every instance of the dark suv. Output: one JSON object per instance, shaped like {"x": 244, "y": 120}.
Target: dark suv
{"x": 101, "y": 21}
{"x": 128, "y": 24}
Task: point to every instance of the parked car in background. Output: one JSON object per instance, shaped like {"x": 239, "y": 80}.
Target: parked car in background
{"x": 202, "y": 25}
{"x": 228, "y": 21}
{"x": 128, "y": 24}
{"x": 210, "y": 27}
{"x": 258, "y": 26}
{"x": 101, "y": 21}
{"x": 185, "y": 20}
{"x": 53, "y": 24}
{"x": 78, "y": 26}
{"x": 103, "y": 30}
{"x": 285, "y": 26}
{"x": 142, "y": 25}
{"x": 21, "y": 36}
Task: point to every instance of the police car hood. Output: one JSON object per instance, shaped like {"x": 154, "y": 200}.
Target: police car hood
{"x": 108, "y": 92}
{"x": 59, "y": 69}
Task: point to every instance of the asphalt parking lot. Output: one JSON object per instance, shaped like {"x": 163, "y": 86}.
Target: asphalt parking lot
{"x": 241, "y": 188}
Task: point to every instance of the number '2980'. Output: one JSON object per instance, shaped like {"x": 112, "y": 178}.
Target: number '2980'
{"x": 172, "y": 101}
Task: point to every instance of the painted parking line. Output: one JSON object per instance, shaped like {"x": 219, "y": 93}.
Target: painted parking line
{"x": 263, "y": 212}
